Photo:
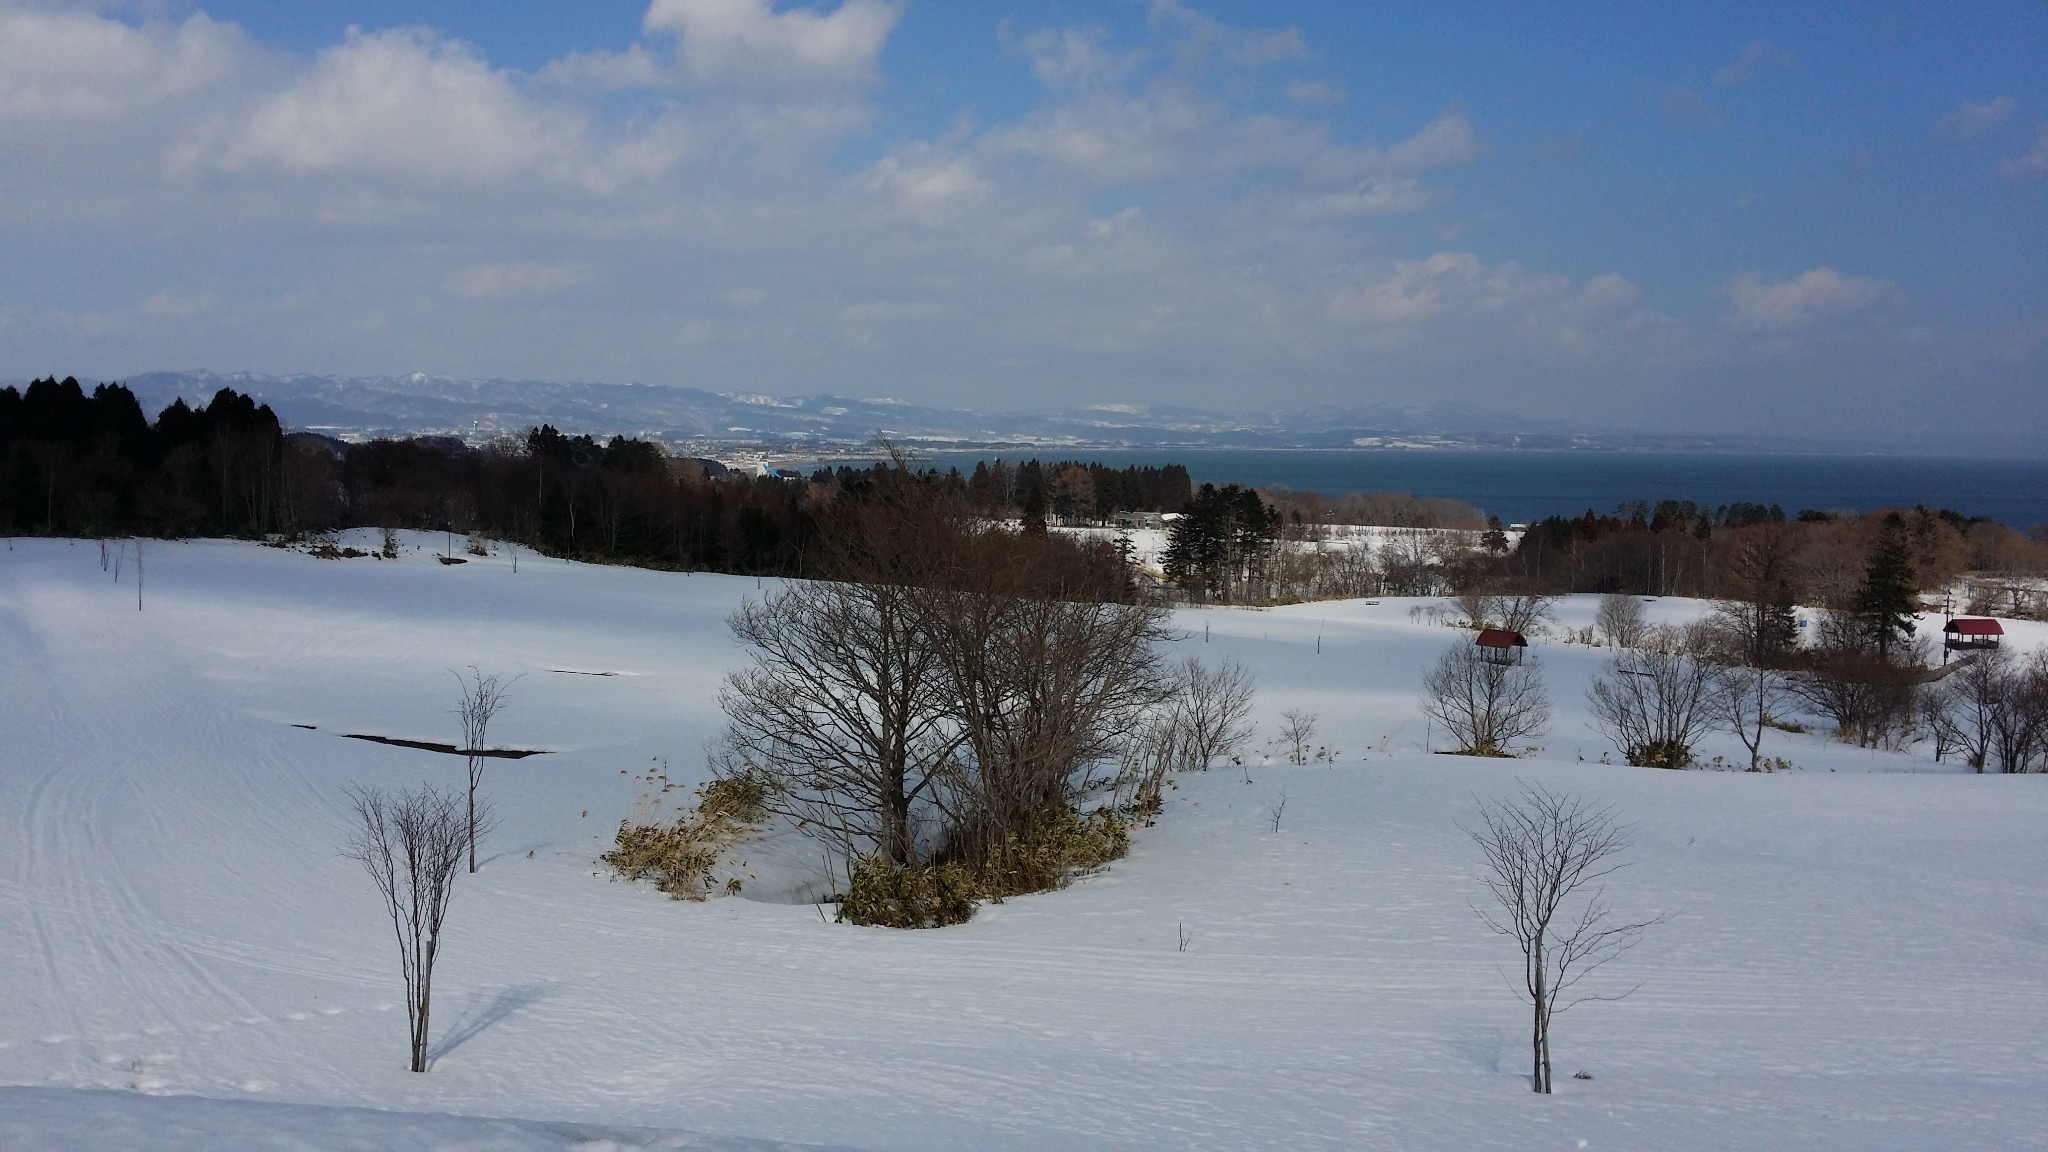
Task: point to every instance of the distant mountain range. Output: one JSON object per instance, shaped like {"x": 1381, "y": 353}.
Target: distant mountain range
{"x": 356, "y": 408}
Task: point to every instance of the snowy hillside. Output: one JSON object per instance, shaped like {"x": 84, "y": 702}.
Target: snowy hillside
{"x": 1854, "y": 959}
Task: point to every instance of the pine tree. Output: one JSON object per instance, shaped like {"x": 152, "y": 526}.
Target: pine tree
{"x": 1034, "y": 512}
{"x": 1884, "y": 601}
{"x": 1494, "y": 540}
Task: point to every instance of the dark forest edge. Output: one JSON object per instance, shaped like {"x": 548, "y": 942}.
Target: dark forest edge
{"x": 84, "y": 465}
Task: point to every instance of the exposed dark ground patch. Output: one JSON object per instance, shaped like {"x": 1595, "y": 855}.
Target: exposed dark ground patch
{"x": 447, "y": 749}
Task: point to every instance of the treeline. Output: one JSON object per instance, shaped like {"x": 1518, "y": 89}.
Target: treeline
{"x": 1384, "y": 509}
{"x": 1075, "y": 493}
{"x": 1677, "y": 548}
{"x": 78, "y": 464}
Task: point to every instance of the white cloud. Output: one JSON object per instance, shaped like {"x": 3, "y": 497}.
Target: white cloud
{"x": 1154, "y": 221}
{"x": 636, "y": 67}
{"x": 1974, "y": 118}
{"x": 409, "y": 105}
{"x": 60, "y": 66}
{"x": 1449, "y": 281}
{"x": 514, "y": 279}
{"x": 1201, "y": 35}
{"x": 927, "y": 180}
{"x": 1314, "y": 93}
{"x": 1813, "y": 295}
{"x": 1069, "y": 58}
{"x": 171, "y": 305}
{"x": 1446, "y": 140}
{"x": 1377, "y": 196}
{"x": 1755, "y": 56}
{"x": 862, "y": 323}
{"x": 749, "y": 44}
{"x": 2031, "y": 164}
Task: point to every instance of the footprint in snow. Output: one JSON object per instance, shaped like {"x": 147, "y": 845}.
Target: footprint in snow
{"x": 55, "y": 1038}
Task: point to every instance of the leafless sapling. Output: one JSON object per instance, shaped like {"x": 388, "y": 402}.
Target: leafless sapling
{"x": 1213, "y": 708}
{"x": 482, "y": 698}
{"x": 1297, "y": 730}
{"x": 1744, "y": 699}
{"x": 1277, "y": 809}
{"x": 411, "y": 844}
{"x": 1546, "y": 854}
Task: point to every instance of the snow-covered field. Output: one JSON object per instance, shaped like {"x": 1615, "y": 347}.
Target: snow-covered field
{"x": 1857, "y": 954}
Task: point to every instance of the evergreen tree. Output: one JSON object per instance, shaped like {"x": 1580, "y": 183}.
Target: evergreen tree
{"x": 1221, "y": 547}
{"x": 1034, "y": 512}
{"x": 1494, "y": 540}
{"x": 1884, "y": 601}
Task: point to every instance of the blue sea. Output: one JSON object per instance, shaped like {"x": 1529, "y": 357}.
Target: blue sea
{"x": 1521, "y": 486}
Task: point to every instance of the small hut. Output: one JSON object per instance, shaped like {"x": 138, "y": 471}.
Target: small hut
{"x": 1501, "y": 645}
{"x": 1971, "y": 634}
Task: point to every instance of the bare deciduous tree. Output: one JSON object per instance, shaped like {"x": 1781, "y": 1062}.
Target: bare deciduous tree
{"x": 2020, "y": 735}
{"x": 1524, "y": 612}
{"x": 411, "y": 844}
{"x": 1620, "y": 620}
{"x": 1480, "y": 608}
{"x": 1297, "y": 730}
{"x": 1873, "y": 700}
{"x": 1152, "y": 751}
{"x": 1994, "y": 710}
{"x": 1745, "y": 699}
{"x": 1656, "y": 702}
{"x": 1546, "y": 853}
{"x": 1517, "y": 611}
{"x": 1213, "y": 709}
{"x": 1041, "y": 689}
{"x": 1763, "y": 574}
{"x": 840, "y": 714}
{"x": 482, "y": 699}
{"x": 1484, "y": 704}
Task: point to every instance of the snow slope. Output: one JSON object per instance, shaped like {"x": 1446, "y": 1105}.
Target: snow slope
{"x": 1857, "y": 955}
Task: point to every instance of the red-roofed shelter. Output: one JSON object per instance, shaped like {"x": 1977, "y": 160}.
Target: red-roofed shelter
{"x": 1972, "y": 633}
{"x": 1501, "y": 645}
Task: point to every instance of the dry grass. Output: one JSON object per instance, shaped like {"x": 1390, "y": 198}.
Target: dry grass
{"x": 681, "y": 855}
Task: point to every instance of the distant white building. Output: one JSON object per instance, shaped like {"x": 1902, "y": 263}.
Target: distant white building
{"x": 1146, "y": 519}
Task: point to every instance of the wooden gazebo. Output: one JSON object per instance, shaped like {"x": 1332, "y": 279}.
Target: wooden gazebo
{"x": 1971, "y": 634}
{"x": 1501, "y": 645}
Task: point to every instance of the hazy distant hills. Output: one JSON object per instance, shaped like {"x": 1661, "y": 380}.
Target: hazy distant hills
{"x": 361, "y": 407}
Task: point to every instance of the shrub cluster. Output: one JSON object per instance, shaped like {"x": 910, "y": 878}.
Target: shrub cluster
{"x": 1046, "y": 854}
{"x": 681, "y": 855}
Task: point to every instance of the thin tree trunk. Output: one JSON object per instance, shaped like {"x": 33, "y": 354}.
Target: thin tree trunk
{"x": 1539, "y": 1033}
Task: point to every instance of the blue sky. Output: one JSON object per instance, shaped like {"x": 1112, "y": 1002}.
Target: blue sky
{"x": 1730, "y": 217}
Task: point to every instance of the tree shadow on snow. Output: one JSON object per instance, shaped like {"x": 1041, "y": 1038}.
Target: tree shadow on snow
{"x": 1481, "y": 1048}
{"x": 481, "y": 1012}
